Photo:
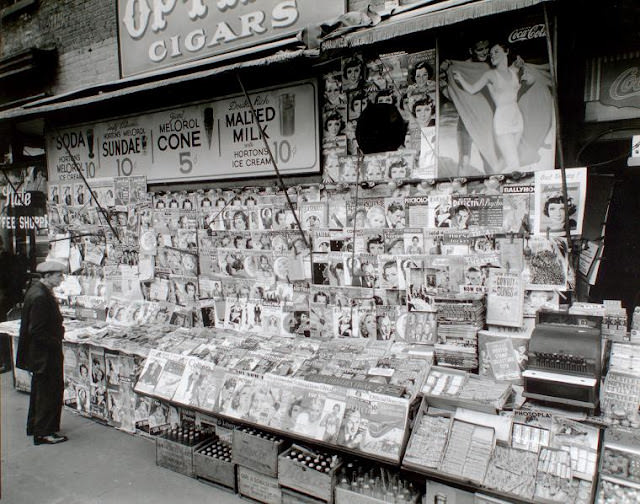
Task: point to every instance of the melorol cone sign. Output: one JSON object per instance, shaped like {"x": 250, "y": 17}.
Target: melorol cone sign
{"x": 155, "y": 34}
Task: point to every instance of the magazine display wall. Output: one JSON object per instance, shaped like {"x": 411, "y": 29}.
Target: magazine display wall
{"x": 322, "y": 319}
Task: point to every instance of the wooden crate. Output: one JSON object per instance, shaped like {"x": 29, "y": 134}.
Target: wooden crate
{"x": 297, "y": 476}
{"x": 258, "y": 487}
{"x": 214, "y": 469}
{"x": 175, "y": 456}
{"x": 345, "y": 496}
{"x": 292, "y": 497}
{"x": 257, "y": 453}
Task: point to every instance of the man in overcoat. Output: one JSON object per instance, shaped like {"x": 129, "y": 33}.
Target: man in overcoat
{"x": 40, "y": 352}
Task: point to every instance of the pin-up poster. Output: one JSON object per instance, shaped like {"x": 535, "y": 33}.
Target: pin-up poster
{"x": 496, "y": 111}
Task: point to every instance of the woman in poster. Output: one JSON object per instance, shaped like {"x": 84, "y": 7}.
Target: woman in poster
{"x": 523, "y": 115}
{"x": 424, "y": 111}
{"x": 554, "y": 214}
{"x": 503, "y": 83}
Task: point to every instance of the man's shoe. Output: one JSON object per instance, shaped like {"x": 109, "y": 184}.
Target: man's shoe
{"x": 49, "y": 439}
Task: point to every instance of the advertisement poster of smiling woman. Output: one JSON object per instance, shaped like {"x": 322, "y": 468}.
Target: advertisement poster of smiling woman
{"x": 552, "y": 210}
{"x": 496, "y": 113}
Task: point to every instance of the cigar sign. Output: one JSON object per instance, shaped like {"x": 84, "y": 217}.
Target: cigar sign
{"x": 155, "y": 34}
{"x": 215, "y": 140}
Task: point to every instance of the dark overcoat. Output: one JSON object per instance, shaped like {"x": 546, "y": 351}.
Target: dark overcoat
{"x": 41, "y": 330}
{"x": 40, "y": 351}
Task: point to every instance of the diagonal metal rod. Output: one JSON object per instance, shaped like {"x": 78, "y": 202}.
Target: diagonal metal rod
{"x": 93, "y": 195}
{"x": 273, "y": 161}
{"x": 560, "y": 152}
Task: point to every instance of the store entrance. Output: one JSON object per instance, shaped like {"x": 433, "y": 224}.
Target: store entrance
{"x": 619, "y": 276}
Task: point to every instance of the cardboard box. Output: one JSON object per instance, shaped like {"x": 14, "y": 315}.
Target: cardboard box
{"x": 252, "y": 451}
{"x": 298, "y": 476}
{"x": 259, "y": 487}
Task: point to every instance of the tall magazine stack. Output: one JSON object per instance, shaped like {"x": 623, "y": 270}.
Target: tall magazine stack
{"x": 459, "y": 320}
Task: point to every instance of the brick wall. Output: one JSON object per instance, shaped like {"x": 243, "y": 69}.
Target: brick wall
{"x": 82, "y": 31}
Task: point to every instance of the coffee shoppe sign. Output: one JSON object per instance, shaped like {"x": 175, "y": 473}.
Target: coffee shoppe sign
{"x": 155, "y": 34}
{"x": 214, "y": 140}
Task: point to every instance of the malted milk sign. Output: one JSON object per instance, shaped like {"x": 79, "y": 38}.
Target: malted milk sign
{"x": 155, "y": 34}
{"x": 214, "y": 140}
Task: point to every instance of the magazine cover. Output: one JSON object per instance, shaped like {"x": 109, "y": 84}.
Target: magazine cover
{"x": 387, "y": 322}
{"x": 199, "y": 385}
{"x": 395, "y": 212}
{"x": 320, "y": 269}
{"x": 112, "y": 363}
{"x": 518, "y": 209}
{"x": 313, "y": 215}
{"x": 504, "y": 299}
{"x": 159, "y": 416}
{"x": 126, "y": 406}
{"x": 97, "y": 367}
{"x": 502, "y": 356}
{"x": 114, "y": 408}
{"x": 551, "y": 209}
{"x": 170, "y": 376}
{"x": 316, "y": 411}
{"x": 98, "y": 401}
{"x": 546, "y": 263}
{"x": 343, "y": 323}
{"x": 476, "y": 211}
{"x": 478, "y": 137}
{"x": 82, "y": 399}
{"x": 141, "y": 412}
{"x": 439, "y": 210}
{"x": 374, "y": 424}
{"x": 420, "y": 289}
{"x": 390, "y": 272}
{"x": 321, "y": 240}
{"x": 417, "y": 327}
{"x": 369, "y": 241}
{"x": 535, "y": 300}
{"x": 321, "y": 321}
{"x": 414, "y": 241}
{"x": 122, "y": 191}
{"x": 185, "y": 289}
{"x": 151, "y": 372}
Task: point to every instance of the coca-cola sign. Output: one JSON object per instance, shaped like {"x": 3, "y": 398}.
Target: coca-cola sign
{"x": 527, "y": 33}
{"x": 626, "y": 85}
{"x": 620, "y": 82}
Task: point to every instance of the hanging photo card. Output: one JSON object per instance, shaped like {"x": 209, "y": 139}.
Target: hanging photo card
{"x": 546, "y": 263}
{"x": 504, "y": 299}
{"x": 517, "y": 207}
{"x": 551, "y": 208}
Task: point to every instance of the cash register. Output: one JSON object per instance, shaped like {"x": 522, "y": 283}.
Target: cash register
{"x": 565, "y": 360}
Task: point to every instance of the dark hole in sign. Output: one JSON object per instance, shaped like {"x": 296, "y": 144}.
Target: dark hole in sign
{"x": 380, "y": 128}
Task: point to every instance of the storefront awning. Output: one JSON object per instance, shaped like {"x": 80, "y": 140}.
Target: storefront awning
{"x": 434, "y": 15}
{"x": 124, "y": 87}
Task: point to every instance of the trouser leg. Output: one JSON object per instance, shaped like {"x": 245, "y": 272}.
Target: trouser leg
{"x": 47, "y": 400}
{"x": 32, "y": 405}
